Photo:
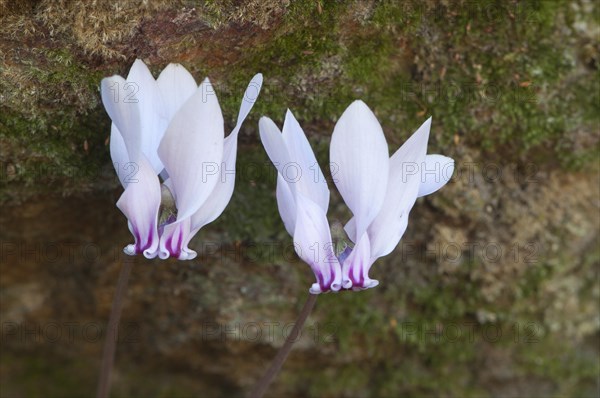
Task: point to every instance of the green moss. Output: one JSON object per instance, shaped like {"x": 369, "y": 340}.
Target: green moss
{"x": 54, "y": 143}
{"x": 348, "y": 380}
{"x": 291, "y": 62}
{"x": 574, "y": 371}
{"x": 493, "y": 74}
{"x": 52, "y": 378}
{"x": 496, "y": 83}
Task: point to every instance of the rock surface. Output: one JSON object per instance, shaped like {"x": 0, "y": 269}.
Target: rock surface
{"x": 493, "y": 290}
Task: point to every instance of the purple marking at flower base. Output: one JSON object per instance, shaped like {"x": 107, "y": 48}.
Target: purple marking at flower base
{"x": 138, "y": 241}
{"x": 149, "y": 242}
{"x": 175, "y": 250}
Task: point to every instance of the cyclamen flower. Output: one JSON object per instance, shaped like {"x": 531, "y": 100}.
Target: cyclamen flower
{"x": 172, "y": 128}
{"x": 379, "y": 190}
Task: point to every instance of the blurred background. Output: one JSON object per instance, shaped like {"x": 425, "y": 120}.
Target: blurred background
{"x": 493, "y": 291}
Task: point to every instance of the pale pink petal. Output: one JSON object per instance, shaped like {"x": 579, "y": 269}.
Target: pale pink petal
{"x": 359, "y": 153}
{"x": 221, "y": 195}
{"x": 248, "y": 100}
{"x": 143, "y": 89}
{"x": 309, "y": 179}
{"x": 274, "y": 145}
{"x": 312, "y": 241}
{"x": 140, "y": 203}
{"x": 286, "y": 204}
{"x": 218, "y": 199}
{"x": 403, "y": 185}
{"x": 118, "y": 154}
{"x": 436, "y": 171}
{"x": 174, "y": 240}
{"x": 124, "y": 114}
{"x": 176, "y": 85}
{"x": 355, "y": 268}
{"x": 192, "y": 150}
{"x": 169, "y": 184}
{"x": 350, "y": 229}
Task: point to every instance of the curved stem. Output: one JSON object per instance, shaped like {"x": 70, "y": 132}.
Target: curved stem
{"x": 261, "y": 387}
{"x": 112, "y": 331}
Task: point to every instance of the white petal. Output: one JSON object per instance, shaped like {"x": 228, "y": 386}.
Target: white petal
{"x": 360, "y": 160}
{"x": 291, "y": 154}
{"x": 125, "y": 115}
{"x": 118, "y": 154}
{"x": 436, "y": 171}
{"x": 350, "y": 229}
{"x": 143, "y": 89}
{"x": 192, "y": 150}
{"x": 286, "y": 204}
{"x": 312, "y": 241}
{"x": 140, "y": 203}
{"x": 169, "y": 184}
{"x": 176, "y": 85}
{"x": 272, "y": 140}
{"x": 250, "y": 97}
{"x": 403, "y": 185}
{"x": 218, "y": 199}
{"x": 174, "y": 240}
{"x": 223, "y": 190}
{"x": 355, "y": 269}
{"x": 309, "y": 179}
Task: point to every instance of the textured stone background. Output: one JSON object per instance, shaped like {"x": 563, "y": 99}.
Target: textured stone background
{"x": 492, "y": 292}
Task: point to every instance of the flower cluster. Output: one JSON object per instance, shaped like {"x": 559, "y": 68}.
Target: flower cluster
{"x": 178, "y": 171}
{"x": 379, "y": 190}
{"x": 171, "y": 155}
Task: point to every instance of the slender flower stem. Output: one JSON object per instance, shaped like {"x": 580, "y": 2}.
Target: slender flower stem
{"x": 261, "y": 387}
{"x": 110, "y": 344}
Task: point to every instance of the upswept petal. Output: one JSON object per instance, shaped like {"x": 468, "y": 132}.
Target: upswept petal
{"x": 140, "y": 203}
{"x": 287, "y": 149}
{"x": 169, "y": 184}
{"x": 350, "y": 229}
{"x": 359, "y": 153}
{"x": 310, "y": 180}
{"x": 312, "y": 242}
{"x": 192, "y": 150}
{"x": 174, "y": 240}
{"x": 141, "y": 88}
{"x": 248, "y": 100}
{"x": 436, "y": 171}
{"x": 272, "y": 141}
{"x": 176, "y": 86}
{"x": 118, "y": 154}
{"x": 355, "y": 268}
{"x": 124, "y": 114}
{"x": 403, "y": 185}
{"x": 286, "y": 204}
{"x": 221, "y": 195}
